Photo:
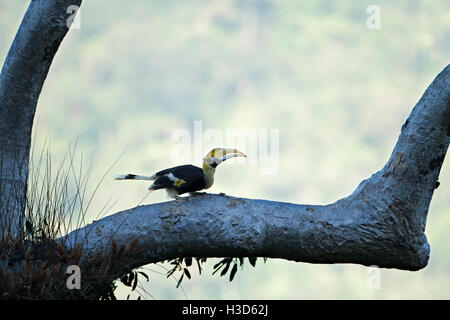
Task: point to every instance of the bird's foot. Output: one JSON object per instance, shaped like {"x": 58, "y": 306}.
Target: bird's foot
{"x": 196, "y": 194}
{"x": 181, "y": 198}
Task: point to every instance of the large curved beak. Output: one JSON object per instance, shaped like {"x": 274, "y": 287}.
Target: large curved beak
{"x": 229, "y": 153}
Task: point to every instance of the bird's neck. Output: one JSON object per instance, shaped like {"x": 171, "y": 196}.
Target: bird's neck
{"x": 209, "y": 174}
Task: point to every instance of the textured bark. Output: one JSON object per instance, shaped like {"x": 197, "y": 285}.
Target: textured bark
{"x": 381, "y": 223}
{"x": 24, "y": 71}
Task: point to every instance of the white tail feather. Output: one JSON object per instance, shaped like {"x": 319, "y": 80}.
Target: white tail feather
{"x": 134, "y": 177}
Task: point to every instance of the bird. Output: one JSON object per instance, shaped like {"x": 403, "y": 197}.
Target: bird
{"x": 187, "y": 178}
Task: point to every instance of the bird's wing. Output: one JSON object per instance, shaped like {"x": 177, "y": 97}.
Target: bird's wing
{"x": 183, "y": 178}
{"x": 178, "y": 169}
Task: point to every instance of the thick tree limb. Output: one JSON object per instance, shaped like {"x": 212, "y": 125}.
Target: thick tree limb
{"x": 381, "y": 223}
{"x": 22, "y": 77}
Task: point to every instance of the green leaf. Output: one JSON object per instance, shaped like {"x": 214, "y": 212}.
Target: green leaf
{"x": 135, "y": 281}
{"x": 144, "y": 274}
{"x": 199, "y": 266}
{"x": 130, "y": 278}
{"x": 217, "y": 265}
{"x": 224, "y": 271}
{"x": 221, "y": 263}
{"x": 179, "y": 281}
{"x": 124, "y": 279}
{"x": 186, "y": 272}
{"x": 170, "y": 272}
{"x": 233, "y": 272}
{"x": 127, "y": 279}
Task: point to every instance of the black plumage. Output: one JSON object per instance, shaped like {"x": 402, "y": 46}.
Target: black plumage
{"x": 188, "y": 178}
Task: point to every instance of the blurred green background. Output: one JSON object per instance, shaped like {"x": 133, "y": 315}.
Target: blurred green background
{"x": 135, "y": 71}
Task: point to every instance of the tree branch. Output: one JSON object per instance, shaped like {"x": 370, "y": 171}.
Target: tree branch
{"x": 381, "y": 223}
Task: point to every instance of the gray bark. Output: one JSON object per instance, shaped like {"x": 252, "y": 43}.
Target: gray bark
{"x": 381, "y": 223}
{"x": 22, "y": 77}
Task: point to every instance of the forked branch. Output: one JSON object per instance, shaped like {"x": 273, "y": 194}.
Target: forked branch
{"x": 381, "y": 223}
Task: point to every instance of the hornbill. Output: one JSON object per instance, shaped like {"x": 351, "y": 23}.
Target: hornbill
{"x": 187, "y": 178}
